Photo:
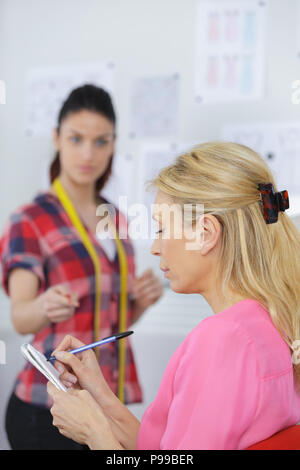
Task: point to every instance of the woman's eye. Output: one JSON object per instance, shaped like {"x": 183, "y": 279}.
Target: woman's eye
{"x": 101, "y": 142}
{"x": 75, "y": 139}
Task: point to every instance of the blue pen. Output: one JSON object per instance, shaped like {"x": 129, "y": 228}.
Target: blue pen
{"x": 109, "y": 339}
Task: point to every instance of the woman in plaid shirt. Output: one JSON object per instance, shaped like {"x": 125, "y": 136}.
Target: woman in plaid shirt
{"x": 50, "y": 276}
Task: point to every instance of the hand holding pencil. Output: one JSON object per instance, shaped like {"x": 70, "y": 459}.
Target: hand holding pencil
{"x": 82, "y": 373}
{"x": 78, "y": 365}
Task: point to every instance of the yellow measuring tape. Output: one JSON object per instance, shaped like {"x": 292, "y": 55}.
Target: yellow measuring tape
{"x": 88, "y": 244}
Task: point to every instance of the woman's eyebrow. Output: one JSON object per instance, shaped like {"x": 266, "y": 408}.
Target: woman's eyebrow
{"x": 107, "y": 134}
{"x": 73, "y": 130}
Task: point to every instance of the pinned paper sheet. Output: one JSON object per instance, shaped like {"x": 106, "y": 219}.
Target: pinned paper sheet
{"x": 48, "y": 87}
{"x": 154, "y": 106}
{"x": 154, "y": 156}
{"x": 121, "y": 181}
{"x": 278, "y": 143}
{"x": 230, "y": 50}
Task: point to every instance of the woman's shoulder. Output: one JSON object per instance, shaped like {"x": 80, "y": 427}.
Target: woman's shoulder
{"x": 42, "y": 202}
{"x": 217, "y": 328}
{"x": 31, "y": 215}
{"x": 245, "y": 323}
{"x": 38, "y": 201}
{"x": 248, "y": 316}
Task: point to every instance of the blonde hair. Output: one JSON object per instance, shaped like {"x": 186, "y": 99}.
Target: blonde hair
{"x": 258, "y": 260}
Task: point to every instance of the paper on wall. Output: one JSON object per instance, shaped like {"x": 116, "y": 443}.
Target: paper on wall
{"x": 230, "y": 50}
{"x": 154, "y": 106}
{"x": 48, "y": 87}
{"x": 121, "y": 181}
{"x": 153, "y": 157}
{"x": 279, "y": 145}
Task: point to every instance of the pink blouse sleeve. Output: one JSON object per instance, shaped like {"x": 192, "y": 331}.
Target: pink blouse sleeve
{"x": 216, "y": 389}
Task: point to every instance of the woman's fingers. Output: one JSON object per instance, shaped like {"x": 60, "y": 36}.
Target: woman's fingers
{"x": 65, "y": 375}
{"x": 141, "y": 285}
{"x": 152, "y": 292}
{"x": 147, "y": 286}
{"x": 60, "y": 313}
{"x": 69, "y": 342}
{"x": 62, "y": 294}
{"x": 70, "y": 360}
{"x": 68, "y": 378}
{"x": 65, "y": 300}
{"x": 61, "y": 289}
{"x": 52, "y": 390}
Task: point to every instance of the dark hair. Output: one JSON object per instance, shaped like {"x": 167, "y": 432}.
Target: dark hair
{"x": 91, "y": 98}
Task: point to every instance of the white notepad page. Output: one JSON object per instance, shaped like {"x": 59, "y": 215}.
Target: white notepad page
{"x": 45, "y": 367}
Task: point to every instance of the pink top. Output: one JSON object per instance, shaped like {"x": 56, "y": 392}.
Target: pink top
{"x": 229, "y": 385}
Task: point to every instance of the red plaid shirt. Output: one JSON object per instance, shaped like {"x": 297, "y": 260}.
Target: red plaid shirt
{"x": 40, "y": 237}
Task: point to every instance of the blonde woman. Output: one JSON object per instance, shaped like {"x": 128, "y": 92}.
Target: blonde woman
{"x": 234, "y": 380}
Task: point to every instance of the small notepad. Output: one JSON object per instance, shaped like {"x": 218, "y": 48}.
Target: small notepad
{"x": 45, "y": 367}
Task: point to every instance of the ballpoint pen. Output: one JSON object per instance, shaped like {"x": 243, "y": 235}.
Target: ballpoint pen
{"x": 109, "y": 339}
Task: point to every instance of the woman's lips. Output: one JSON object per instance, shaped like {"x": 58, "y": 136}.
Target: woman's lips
{"x": 165, "y": 271}
{"x": 86, "y": 168}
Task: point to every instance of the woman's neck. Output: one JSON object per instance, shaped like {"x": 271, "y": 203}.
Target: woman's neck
{"x": 80, "y": 195}
{"x": 219, "y": 303}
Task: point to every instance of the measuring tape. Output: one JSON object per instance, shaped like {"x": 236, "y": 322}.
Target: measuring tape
{"x": 88, "y": 244}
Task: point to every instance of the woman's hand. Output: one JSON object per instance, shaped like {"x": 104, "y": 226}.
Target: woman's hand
{"x": 146, "y": 290}
{"x": 57, "y": 304}
{"x": 81, "y": 371}
{"x": 78, "y": 416}
{"x": 31, "y": 312}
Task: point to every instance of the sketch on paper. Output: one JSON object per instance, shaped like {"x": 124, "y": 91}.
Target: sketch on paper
{"x": 278, "y": 143}
{"x": 153, "y": 157}
{"x": 230, "y": 50}
{"x": 121, "y": 181}
{"x": 48, "y": 87}
{"x": 154, "y": 106}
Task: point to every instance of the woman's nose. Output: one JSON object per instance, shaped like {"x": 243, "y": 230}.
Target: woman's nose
{"x": 155, "y": 248}
{"x": 87, "y": 152}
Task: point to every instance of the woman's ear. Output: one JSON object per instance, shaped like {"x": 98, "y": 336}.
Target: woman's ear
{"x": 211, "y": 231}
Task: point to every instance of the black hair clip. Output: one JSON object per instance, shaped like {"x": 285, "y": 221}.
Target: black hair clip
{"x": 273, "y": 202}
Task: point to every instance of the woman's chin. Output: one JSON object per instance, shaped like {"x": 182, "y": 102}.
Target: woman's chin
{"x": 183, "y": 288}
{"x": 86, "y": 177}
{"x": 82, "y": 179}
{"x": 177, "y": 287}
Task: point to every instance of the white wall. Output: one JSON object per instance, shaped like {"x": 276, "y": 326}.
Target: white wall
{"x": 143, "y": 37}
